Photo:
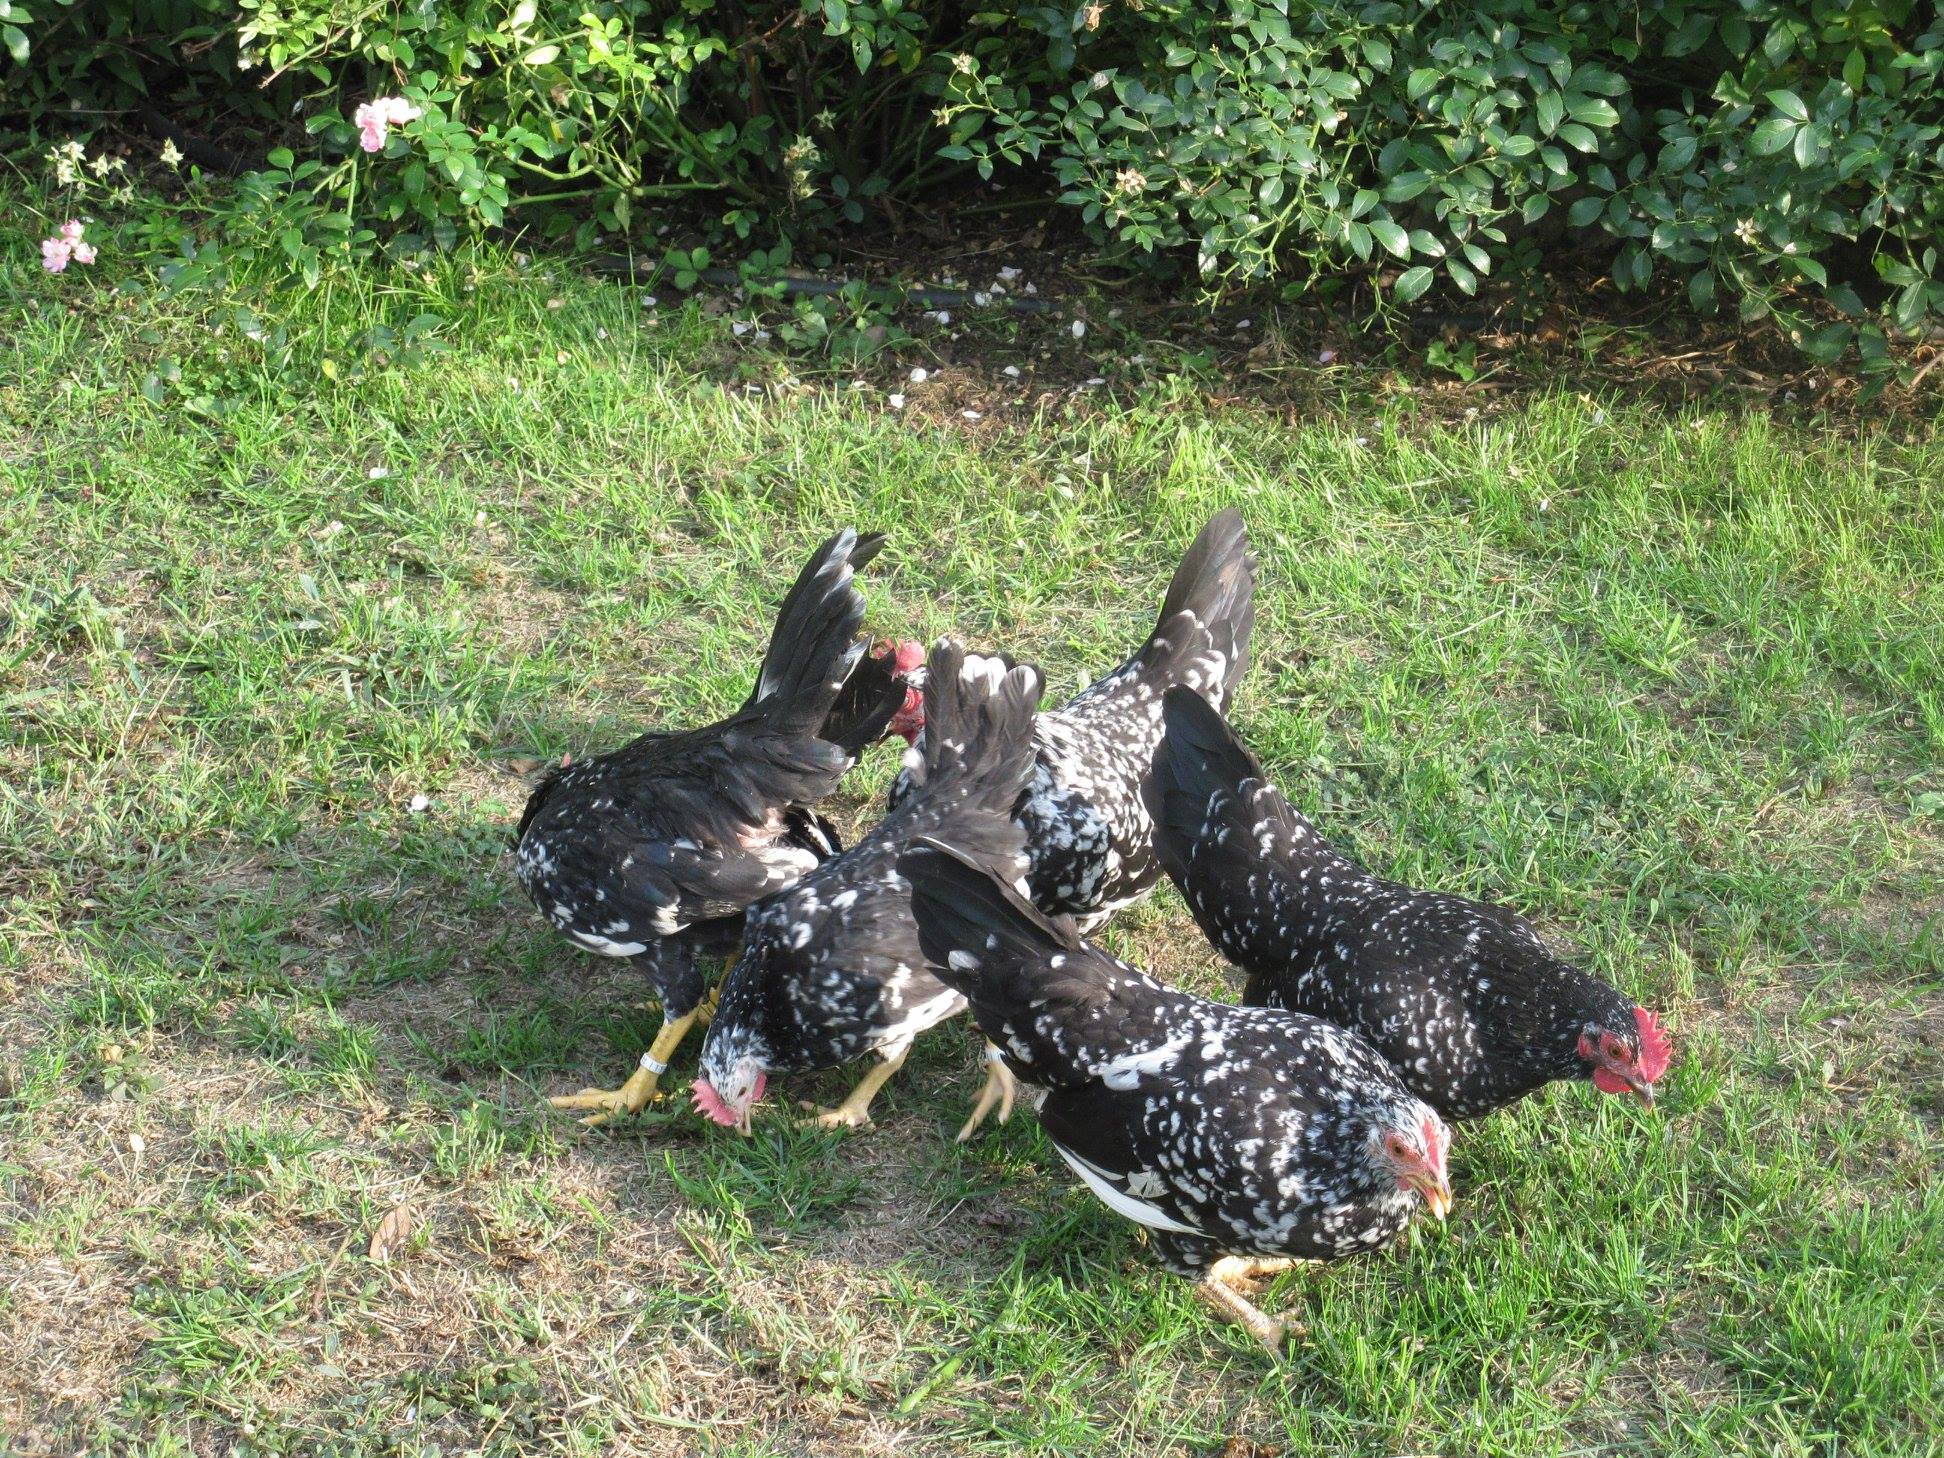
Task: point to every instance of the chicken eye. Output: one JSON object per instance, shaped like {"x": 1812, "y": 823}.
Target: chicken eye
{"x": 1614, "y": 1050}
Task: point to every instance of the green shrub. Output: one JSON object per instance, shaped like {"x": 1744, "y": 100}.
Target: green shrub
{"x": 1765, "y": 154}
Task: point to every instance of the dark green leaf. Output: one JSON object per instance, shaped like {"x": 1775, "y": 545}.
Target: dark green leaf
{"x": 1772, "y": 136}
{"x": 1592, "y": 110}
{"x": 1391, "y": 236}
{"x": 1412, "y": 283}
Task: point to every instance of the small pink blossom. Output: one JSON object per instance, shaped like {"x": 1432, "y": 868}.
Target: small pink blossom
{"x": 377, "y": 116}
{"x": 66, "y": 246}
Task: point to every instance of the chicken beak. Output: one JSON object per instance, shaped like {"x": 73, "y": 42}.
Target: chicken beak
{"x": 1642, "y": 1090}
{"x": 1437, "y": 1199}
{"x": 744, "y": 1119}
{"x": 1437, "y": 1196}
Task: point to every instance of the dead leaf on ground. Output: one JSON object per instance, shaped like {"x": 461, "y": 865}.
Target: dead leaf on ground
{"x": 392, "y": 1233}
{"x": 1240, "y": 1447}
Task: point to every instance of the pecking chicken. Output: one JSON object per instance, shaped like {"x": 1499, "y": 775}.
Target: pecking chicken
{"x": 1089, "y": 839}
{"x": 1243, "y": 1139}
{"x": 1461, "y": 996}
{"x": 831, "y": 969}
{"x": 652, "y": 852}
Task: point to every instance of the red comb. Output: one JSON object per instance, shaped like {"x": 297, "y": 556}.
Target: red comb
{"x": 1435, "y": 1140}
{"x": 904, "y": 654}
{"x": 709, "y": 1102}
{"x": 1655, "y": 1051}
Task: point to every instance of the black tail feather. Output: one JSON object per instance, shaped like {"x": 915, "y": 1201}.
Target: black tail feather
{"x": 1215, "y": 586}
{"x": 963, "y": 905}
{"x": 978, "y": 726}
{"x": 815, "y": 643}
{"x": 1200, "y": 754}
{"x": 1037, "y": 990}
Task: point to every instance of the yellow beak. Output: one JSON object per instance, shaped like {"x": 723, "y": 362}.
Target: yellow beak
{"x": 1437, "y": 1198}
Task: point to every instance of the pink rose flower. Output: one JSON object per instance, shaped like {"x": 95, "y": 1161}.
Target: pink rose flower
{"x": 66, "y": 247}
{"x": 376, "y": 118}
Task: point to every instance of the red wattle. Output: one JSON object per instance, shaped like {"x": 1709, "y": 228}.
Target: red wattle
{"x": 1607, "y": 1081}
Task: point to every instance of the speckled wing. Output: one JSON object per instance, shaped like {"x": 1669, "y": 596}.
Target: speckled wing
{"x": 1461, "y": 996}
{"x": 844, "y": 972}
{"x": 617, "y": 851}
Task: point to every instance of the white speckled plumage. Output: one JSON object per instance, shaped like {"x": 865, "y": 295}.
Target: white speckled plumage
{"x": 831, "y": 968}
{"x": 1461, "y": 996}
{"x": 1089, "y": 838}
{"x": 1224, "y": 1130}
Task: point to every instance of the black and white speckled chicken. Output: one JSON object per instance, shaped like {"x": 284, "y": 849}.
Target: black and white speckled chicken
{"x": 1243, "y": 1139}
{"x": 652, "y": 852}
{"x": 831, "y": 969}
{"x": 1461, "y": 996}
{"x": 1089, "y": 839}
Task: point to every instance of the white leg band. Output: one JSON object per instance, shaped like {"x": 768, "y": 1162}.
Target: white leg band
{"x": 653, "y": 1065}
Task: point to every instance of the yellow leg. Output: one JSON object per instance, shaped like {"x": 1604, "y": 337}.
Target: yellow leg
{"x": 855, "y": 1111}
{"x": 706, "y": 1010}
{"x": 999, "y": 1089}
{"x": 1217, "y": 1291}
{"x": 1244, "y": 1270}
{"x": 642, "y": 1086}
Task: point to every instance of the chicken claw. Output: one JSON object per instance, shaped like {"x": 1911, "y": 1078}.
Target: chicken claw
{"x": 642, "y": 1087}
{"x": 1000, "y": 1089}
{"x": 855, "y": 1111}
{"x": 1219, "y": 1290}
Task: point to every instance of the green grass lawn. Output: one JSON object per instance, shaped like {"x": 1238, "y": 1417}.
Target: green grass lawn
{"x": 1671, "y": 683}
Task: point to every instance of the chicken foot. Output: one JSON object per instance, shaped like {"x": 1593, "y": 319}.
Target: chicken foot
{"x": 855, "y": 1111}
{"x": 1218, "y": 1290}
{"x": 999, "y": 1089}
{"x": 642, "y": 1087}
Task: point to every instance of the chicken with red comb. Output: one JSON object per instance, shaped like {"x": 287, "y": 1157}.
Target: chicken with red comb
{"x": 1461, "y": 996}
{"x": 1244, "y": 1139}
{"x": 831, "y": 969}
{"x": 652, "y": 851}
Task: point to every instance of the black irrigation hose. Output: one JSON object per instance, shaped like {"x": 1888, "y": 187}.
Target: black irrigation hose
{"x": 796, "y": 285}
